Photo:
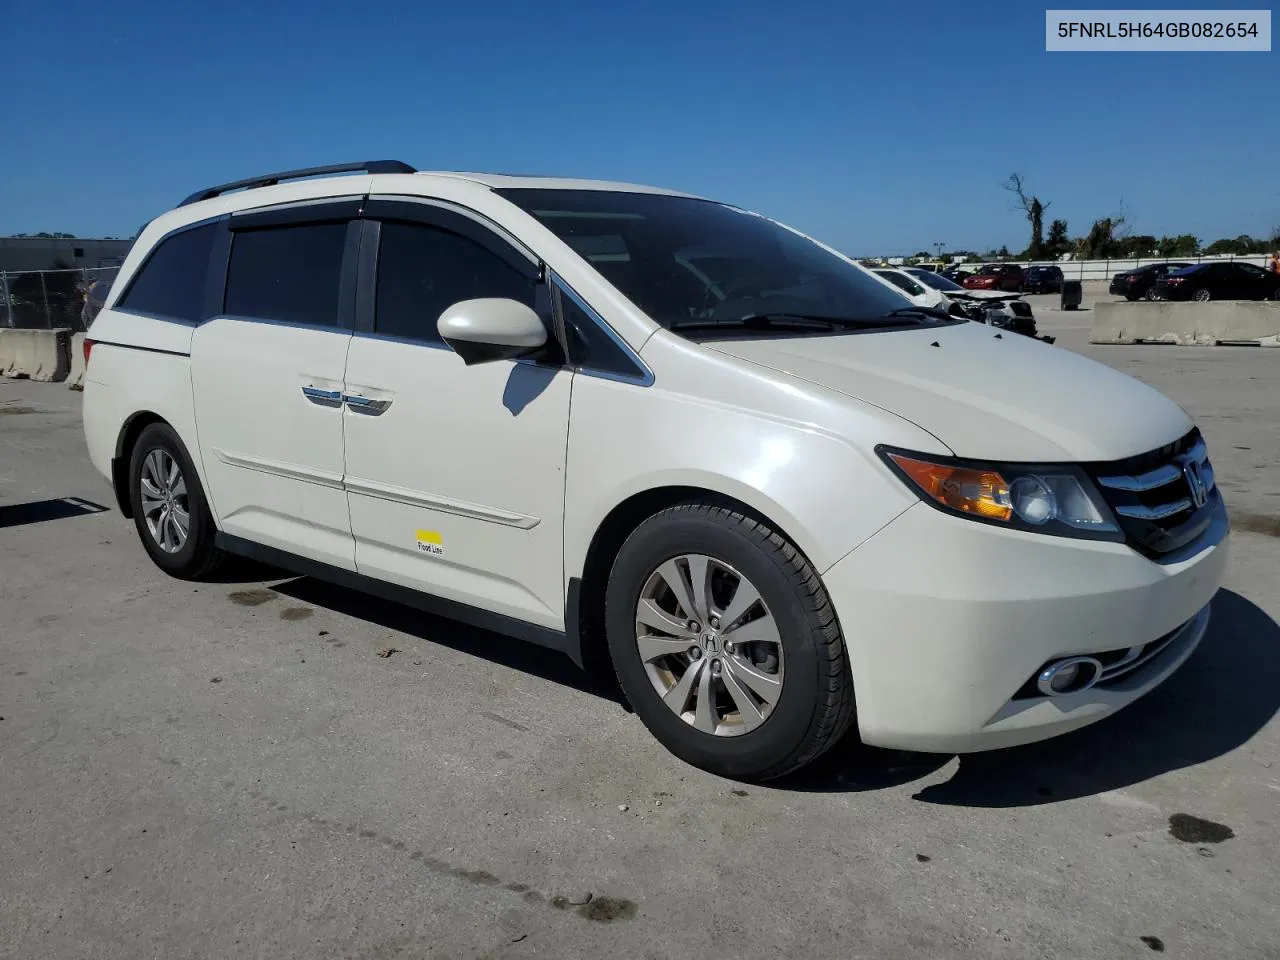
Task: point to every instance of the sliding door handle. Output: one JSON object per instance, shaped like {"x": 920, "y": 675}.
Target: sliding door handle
{"x": 359, "y": 404}
{"x": 326, "y": 398}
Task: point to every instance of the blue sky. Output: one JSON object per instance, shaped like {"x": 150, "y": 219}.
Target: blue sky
{"x": 880, "y": 128}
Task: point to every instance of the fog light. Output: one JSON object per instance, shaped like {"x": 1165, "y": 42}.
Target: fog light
{"x": 1069, "y": 676}
{"x": 1060, "y": 681}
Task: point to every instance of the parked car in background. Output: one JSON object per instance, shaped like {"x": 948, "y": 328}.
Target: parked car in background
{"x": 921, "y": 294}
{"x": 1219, "y": 281}
{"x": 1046, "y": 279}
{"x": 1005, "y": 310}
{"x": 1139, "y": 283}
{"x": 957, "y": 273}
{"x": 997, "y": 276}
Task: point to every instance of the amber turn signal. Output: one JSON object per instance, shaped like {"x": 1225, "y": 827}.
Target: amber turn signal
{"x": 982, "y": 493}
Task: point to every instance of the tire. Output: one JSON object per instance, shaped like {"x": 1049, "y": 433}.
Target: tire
{"x": 814, "y": 706}
{"x": 1202, "y": 295}
{"x": 191, "y": 556}
{"x": 1150, "y": 295}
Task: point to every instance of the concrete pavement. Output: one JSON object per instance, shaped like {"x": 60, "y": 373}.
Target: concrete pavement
{"x": 232, "y": 770}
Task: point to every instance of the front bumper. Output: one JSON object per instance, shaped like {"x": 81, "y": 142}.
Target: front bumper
{"x": 946, "y": 620}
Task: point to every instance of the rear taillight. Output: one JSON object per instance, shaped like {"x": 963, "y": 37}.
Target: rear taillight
{"x": 88, "y": 347}
{"x": 1132, "y": 278}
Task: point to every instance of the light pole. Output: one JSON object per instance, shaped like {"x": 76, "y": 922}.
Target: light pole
{"x": 938, "y": 245}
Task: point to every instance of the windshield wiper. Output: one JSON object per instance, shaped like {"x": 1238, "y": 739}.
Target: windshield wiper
{"x": 761, "y": 321}
{"x": 931, "y": 313}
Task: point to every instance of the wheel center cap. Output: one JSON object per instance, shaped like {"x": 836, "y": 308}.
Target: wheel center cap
{"x": 710, "y": 642}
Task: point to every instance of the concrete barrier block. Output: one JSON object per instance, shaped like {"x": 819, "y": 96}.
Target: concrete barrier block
{"x": 75, "y": 379}
{"x": 35, "y": 354}
{"x": 1189, "y": 324}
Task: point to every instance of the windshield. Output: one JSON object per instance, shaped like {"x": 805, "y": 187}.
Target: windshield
{"x": 989, "y": 269}
{"x": 689, "y": 262}
{"x": 937, "y": 281}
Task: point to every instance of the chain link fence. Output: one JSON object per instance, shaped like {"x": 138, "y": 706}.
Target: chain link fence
{"x": 49, "y": 299}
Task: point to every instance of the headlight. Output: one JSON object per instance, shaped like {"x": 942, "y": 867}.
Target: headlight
{"x": 1057, "y": 499}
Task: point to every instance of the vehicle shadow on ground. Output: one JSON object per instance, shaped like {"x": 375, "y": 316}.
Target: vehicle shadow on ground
{"x": 1227, "y": 691}
{"x": 494, "y": 647}
{"x": 42, "y": 511}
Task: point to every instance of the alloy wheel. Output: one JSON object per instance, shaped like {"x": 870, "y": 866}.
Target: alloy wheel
{"x": 709, "y": 645}
{"x": 165, "y": 506}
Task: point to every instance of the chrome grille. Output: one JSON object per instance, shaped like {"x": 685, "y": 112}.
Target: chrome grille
{"x": 1135, "y": 658}
{"x": 1163, "y": 499}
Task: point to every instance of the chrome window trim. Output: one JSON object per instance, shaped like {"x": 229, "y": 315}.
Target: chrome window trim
{"x": 269, "y": 322}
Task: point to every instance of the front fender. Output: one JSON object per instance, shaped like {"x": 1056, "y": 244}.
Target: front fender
{"x": 801, "y": 456}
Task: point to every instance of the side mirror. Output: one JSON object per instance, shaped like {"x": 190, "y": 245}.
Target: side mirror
{"x": 488, "y": 329}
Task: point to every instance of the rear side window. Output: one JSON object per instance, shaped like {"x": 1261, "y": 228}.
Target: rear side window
{"x": 902, "y": 283}
{"x": 423, "y": 270}
{"x": 290, "y": 273}
{"x": 171, "y": 283}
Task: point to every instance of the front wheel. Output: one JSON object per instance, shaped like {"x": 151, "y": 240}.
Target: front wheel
{"x": 169, "y": 506}
{"x": 726, "y": 643}
{"x": 1202, "y": 296}
{"x": 1151, "y": 294}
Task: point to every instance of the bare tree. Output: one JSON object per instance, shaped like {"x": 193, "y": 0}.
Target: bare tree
{"x": 1034, "y": 210}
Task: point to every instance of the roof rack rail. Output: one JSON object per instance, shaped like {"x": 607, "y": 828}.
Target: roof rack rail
{"x": 360, "y": 166}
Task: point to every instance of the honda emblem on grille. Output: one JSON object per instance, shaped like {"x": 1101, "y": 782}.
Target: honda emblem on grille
{"x": 1195, "y": 481}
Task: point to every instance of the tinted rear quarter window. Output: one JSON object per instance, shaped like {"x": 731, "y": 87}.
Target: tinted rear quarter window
{"x": 424, "y": 270}
{"x": 171, "y": 283}
{"x": 289, "y": 273}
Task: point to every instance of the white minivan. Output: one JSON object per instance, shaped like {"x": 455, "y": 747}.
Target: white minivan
{"x": 642, "y": 427}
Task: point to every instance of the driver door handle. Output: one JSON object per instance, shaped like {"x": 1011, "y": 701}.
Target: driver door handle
{"x": 358, "y": 404}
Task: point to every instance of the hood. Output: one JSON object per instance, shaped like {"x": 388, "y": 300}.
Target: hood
{"x": 986, "y": 295}
{"x": 985, "y": 395}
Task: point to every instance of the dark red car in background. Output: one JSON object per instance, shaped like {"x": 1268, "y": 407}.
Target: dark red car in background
{"x": 997, "y": 276}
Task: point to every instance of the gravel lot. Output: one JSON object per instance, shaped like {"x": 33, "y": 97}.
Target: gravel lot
{"x": 232, "y": 770}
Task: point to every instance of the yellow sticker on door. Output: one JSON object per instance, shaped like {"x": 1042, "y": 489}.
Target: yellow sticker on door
{"x": 430, "y": 541}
